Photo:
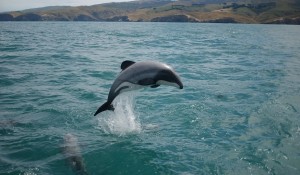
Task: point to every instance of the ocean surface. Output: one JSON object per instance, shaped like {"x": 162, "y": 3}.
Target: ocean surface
{"x": 238, "y": 113}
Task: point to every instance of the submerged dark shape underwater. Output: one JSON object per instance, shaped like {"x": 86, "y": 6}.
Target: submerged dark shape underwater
{"x": 138, "y": 75}
{"x": 72, "y": 153}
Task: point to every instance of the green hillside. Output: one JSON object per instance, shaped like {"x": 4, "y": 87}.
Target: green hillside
{"x": 225, "y": 11}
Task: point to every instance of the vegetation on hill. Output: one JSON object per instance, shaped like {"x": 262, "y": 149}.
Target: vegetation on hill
{"x": 225, "y": 11}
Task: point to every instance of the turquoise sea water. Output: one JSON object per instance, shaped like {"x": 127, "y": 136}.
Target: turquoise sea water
{"x": 238, "y": 113}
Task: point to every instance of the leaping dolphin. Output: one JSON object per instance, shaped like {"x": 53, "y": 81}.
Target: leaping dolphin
{"x": 138, "y": 75}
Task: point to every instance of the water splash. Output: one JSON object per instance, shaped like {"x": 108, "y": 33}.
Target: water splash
{"x": 123, "y": 120}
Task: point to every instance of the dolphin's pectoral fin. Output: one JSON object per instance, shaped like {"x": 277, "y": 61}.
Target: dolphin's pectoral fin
{"x": 155, "y": 86}
{"x": 126, "y": 64}
{"x": 146, "y": 82}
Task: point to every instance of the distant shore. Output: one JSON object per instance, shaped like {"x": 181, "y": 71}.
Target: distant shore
{"x": 174, "y": 18}
{"x": 260, "y": 12}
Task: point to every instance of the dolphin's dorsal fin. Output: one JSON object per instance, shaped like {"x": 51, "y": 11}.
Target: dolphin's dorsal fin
{"x": 126, "y": 64}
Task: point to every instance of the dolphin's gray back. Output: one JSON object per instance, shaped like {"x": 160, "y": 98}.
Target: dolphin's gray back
{"x": 137, "y": 74}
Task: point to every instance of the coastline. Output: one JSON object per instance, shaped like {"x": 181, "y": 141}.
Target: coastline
{"x": 261, "y": 12}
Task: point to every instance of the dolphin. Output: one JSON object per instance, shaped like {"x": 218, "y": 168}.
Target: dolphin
{"x": 72, "y": 153}
{"x": 138, "y": 75}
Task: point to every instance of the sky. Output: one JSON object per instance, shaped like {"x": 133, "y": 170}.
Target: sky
{"x": 13, "y": 5}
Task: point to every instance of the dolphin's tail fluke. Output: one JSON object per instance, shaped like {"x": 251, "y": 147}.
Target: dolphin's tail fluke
{"x": 104, "y": 107}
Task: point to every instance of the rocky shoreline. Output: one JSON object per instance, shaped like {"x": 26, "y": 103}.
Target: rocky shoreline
{"x": 170, "y": 18}
{"x": 167, "y": 11}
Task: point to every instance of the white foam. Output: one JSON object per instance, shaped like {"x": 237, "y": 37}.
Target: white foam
{"x": 123, "y": 120}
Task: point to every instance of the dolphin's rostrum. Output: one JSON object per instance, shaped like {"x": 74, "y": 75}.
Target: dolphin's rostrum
{"x": 138, "y": 75}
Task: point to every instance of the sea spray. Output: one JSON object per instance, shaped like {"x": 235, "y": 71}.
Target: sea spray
{"x": 123, "y": 120}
